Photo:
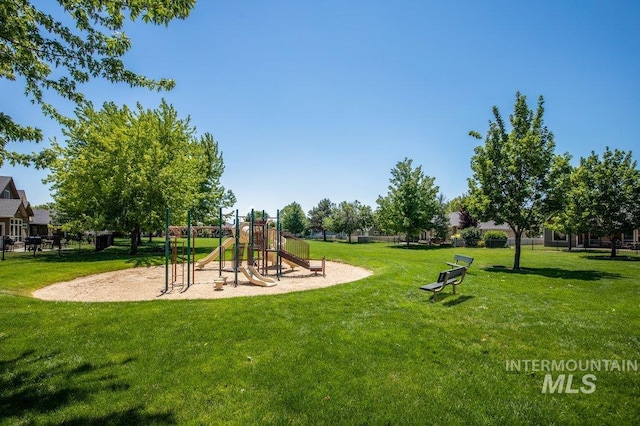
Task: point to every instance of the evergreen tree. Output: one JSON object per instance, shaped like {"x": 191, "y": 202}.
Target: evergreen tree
{"x": 318, "y": 214}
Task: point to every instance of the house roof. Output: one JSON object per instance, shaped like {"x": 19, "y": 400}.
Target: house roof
{"x": 9, "y": 207}
{"x": 41, "y": 217}
{"x": 454, "y": 220}
{"x": 491, "y": 225}
{"x": 4, "y": 181}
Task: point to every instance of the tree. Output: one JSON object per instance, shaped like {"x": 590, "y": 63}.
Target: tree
{"x": 456, "y": 203}
{"x": 566, "y": 220}
{"x": 350, "y": 217}
{"x": 516, "y": 174}
{"x": 466, "y": 219}
{"x": 366, "y": 217}
{"x": 258, "y": 215}
{"x": 411, "y": 203}
{"x": 318, "y": 214}
{"x": 50, "y": 57}
{"x": 120, "y": 169}
{"x": 441, "y": 220}
{"x": 293, "y": 219}
{"x": 213, "y": 194}
{"x": 606, "y": 195}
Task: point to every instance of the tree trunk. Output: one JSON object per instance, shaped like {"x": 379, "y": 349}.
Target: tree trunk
{"x": 135, "y": 235}
{"x": 349, "y": 237}
{"x": 613, "y": 240}
{"x": 324, "y": 235}
{"x": 570, "y": 241}
{"x": 516, "y": 258}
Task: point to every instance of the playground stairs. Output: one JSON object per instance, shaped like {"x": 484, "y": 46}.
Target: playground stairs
{"x": 297, "y": 251}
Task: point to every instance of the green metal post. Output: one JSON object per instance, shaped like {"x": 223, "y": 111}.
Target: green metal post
{"x": 166, "y": 250}
{"x": 235, "y": 260}
{"x": 220, "y": 243}
{"x": 278, "y": 248}
{"x": 188, "y": 248}
{"x": 250, "y": 249}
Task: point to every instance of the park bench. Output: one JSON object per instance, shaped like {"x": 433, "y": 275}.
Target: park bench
{"x": 458, "y": 259}
{"x": 451, "y": 277}
{"x": 8, "y": 243}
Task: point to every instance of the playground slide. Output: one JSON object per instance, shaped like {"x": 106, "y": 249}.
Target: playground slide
{"x": 215, "y": 254}
{"x": 255, "y": 278}
{"x": 272, "y": 259}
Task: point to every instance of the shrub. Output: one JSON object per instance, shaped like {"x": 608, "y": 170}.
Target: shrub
{"x": 495, "y": 239}
{"x": 471, "y": 236}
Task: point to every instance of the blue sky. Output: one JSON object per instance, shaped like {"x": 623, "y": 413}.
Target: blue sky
{"x": 313, "y": 100}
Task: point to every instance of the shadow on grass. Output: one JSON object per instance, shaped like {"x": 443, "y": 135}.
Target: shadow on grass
{"x": 32, "y": 385}
{"x": 582, "y": 275}
{"x": 457, "y": 301}
{"x": 613, "y": 259}
{"x": 417, "y": 247}
{"x": 149, "y": 254}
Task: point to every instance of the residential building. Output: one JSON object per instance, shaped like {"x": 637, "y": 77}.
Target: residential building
{"x": 15, "y": 211}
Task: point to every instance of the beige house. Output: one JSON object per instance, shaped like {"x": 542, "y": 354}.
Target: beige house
{"x": 15, "y": 211}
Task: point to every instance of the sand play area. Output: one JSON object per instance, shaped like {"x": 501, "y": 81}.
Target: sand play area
{"x": 148, "y": 283}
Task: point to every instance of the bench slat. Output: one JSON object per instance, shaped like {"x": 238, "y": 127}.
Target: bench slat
{"x": 460, "y": 258}
{"x": 431, "y": 287}
{"x": 451, "y": 277}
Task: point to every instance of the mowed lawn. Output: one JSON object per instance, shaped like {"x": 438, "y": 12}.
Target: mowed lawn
{"x": 375, "y": 351}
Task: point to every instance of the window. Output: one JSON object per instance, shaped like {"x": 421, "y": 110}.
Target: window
{"x": 6, "y": 194}
{"x": 15, "y": 231}
{"x": 558, "y": 236}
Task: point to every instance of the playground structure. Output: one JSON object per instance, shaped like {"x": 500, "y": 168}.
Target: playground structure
{"x": 266, "y": 247}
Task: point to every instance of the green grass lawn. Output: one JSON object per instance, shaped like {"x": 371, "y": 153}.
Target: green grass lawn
{"x": 375, "y": 351}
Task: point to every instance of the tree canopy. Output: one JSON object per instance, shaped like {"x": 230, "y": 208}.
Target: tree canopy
{"x": 411, "y": 203}
{"x": 293, "y": 219}
{"x": 121, "y": 168}
{"x": 349, "y": 217}
{"x": 57, "y": 54}
{"x": 318, "y": 214}
{"x": 605, "y": 195}
{"x": 516, "y": 173}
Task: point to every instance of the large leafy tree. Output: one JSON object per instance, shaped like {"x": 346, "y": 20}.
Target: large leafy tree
{"x": 318, "y": 214}
{"x": 212, "y": 193}
{"x": 121, "y": 168}
{"x": 411, "y": 203}
{"x": 55, "y": 55}
{"x": 605, "y": 195}
{"x": 293, "y": 218}
{"x": 516, "y": 173}
{"x": 349, "y": 217}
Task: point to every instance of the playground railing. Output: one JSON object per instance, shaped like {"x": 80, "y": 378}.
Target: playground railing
{"x": 296, "y": 247}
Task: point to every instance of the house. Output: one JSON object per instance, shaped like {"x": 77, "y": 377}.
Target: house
{"x": 454, "y": 226}
{"x": 40, "y": 223}
{"x": 630, "y": 239}
{"x": 15, "y": 211}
